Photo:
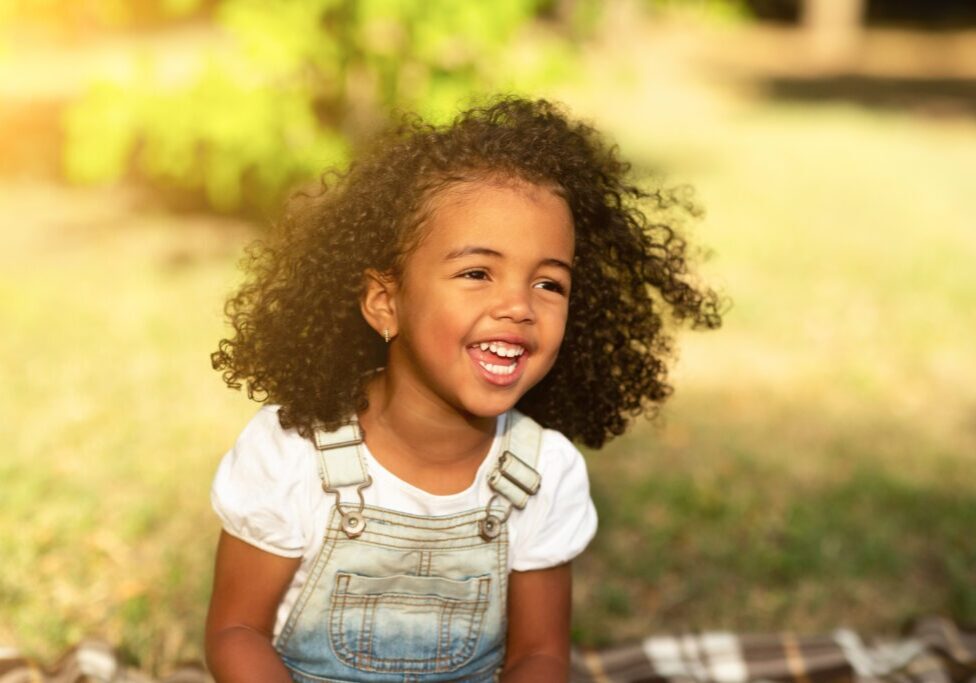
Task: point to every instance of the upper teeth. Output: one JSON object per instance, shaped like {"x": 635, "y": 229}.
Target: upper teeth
{"x": 501, "y": 349}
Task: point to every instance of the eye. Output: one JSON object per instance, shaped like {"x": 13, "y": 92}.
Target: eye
{"x": 475, "y": 274}
{"x": 552, "y": 286}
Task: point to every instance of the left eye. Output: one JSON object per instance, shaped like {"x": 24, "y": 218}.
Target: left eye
{"x": 552, "y": 286}
{"x": 475, "y": 275}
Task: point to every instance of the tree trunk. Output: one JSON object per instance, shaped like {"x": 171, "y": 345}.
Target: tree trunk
{"x": 833, "y": 29}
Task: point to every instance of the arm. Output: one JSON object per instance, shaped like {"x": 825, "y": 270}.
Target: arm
{"x": 537, "y": 648}
{"x": 248, "y": 585}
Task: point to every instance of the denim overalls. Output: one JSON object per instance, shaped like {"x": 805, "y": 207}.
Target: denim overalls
{"x": 399, "y": 597}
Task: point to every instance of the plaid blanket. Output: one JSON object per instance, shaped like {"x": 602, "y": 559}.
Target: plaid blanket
{"x": 934, "y": 651}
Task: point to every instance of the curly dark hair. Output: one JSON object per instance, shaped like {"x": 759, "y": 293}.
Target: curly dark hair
{"x": 301, "y": 341}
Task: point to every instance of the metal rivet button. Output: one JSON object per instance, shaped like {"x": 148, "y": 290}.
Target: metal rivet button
{"x": 491, "y": 527}
{"x": 353, "y": 524}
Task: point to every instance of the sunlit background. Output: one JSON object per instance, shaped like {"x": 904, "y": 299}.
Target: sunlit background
{"x": 816, "y": 467}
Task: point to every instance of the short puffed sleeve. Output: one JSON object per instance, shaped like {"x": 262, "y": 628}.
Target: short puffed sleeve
{"x": 262, "y": 485}
{"x": 560, "y": 519}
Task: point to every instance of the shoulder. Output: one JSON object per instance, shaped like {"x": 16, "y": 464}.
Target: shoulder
{"x": 265, "y": 455}
{"x": 265, "y": 484}
{"x": 562, "y": 468}
{"x": 264, "y": 424}
{"x": 556, "y": 453}
{"x": 560, "y": 520}
{"x": 264, "y": 437}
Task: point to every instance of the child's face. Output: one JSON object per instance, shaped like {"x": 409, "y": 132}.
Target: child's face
{"x": 482, "y": 304}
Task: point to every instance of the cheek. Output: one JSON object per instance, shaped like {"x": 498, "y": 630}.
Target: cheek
{"x": 558, "y": 335}
{"x": 558, "y": 320}
{"x": 442, "y": 332}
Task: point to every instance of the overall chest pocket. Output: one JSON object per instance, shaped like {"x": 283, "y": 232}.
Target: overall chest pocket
{"x": 407, "y": 624}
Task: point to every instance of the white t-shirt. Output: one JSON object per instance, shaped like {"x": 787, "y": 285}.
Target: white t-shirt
{"x": 267, "y": 492}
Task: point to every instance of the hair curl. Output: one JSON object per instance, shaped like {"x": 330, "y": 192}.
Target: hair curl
{"x": 301, "y": 341}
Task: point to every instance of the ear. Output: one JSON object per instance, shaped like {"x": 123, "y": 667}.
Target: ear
{"x": 378, "y": 302}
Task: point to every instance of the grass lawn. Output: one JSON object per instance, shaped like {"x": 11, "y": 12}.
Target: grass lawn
{"x": 816, "y": 467}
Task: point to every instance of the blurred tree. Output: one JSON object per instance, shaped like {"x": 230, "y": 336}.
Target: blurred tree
{"x": 833, "y": 27}
{"x": 303, "y": 81}
{"x": 937, "y": 14}
{"x": 714, "y": 9}
{"x": 82, "y": 18}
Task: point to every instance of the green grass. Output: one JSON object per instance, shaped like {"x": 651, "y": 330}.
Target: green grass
{"x": 816, "y": 467}
{"x": 113, "y": 424}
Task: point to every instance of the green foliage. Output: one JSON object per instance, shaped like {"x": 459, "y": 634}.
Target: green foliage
{"x": 301, "y": 83}
{"x": 716, "y": 10}
{"x": 219, "y": 135}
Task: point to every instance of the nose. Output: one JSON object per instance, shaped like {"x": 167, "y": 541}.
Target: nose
{"x": 513, "y": 303}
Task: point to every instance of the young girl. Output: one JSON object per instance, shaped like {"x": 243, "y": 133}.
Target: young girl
{"x": 430, "y": 334}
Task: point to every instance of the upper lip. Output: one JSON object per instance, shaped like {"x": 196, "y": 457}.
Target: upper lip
{"x": 512, "y": 339}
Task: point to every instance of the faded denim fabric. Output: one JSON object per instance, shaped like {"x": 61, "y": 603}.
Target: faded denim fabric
{"x": 412, "y": 599}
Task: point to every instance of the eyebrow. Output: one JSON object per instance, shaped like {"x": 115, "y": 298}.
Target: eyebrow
{"x": 485, "y": 251}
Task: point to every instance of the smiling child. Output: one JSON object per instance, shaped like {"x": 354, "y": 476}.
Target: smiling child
{"x": 430, "y": 335}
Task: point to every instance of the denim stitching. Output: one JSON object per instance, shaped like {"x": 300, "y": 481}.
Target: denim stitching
{"x": 338, "y": 612}
{"x": 366, "y": 630}
{"x": 477, "y": 617}
{"x": 379, "y": 514}
{"x": 300, "y": 676}
{"x": 420, "y": 545}
{"x": 475, "y": 611}
{"x": 321, "y": 561}
{"x": 445, "y": 624}
{"x": 441, "y": 633}
{"x": 357, "y": 601}
{"x": 471, "y": 533}
{"x": 452, "y": 528}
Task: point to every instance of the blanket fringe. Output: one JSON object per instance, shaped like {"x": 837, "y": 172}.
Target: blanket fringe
{"x": 934, "y": 650}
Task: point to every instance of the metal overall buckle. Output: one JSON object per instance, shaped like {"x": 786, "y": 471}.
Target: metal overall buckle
{"x": 490, "y": 527}
{"x": 353, "y": 522}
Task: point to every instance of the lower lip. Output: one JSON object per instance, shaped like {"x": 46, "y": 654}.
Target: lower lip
{"x": 498, "y": 379}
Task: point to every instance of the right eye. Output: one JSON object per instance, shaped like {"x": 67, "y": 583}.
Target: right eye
{"x": 476, "y": 274}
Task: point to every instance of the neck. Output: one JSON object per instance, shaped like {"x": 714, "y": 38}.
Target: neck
{"x": 415, "y": 425}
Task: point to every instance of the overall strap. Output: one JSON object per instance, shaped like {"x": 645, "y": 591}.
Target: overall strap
{"x": 341, "y": 463}
{"x": 514, "y": 478}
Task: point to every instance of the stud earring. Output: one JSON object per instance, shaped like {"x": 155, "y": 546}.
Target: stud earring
{"x": 386, "y": 334}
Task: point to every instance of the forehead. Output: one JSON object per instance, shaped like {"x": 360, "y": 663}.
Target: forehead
{"x": 516, "y": 214}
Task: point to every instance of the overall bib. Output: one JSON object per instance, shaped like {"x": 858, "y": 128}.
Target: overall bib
{"x": 399, "y": 597}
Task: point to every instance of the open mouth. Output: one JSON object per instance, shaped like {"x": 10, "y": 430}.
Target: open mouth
{"x": 500, "y": 362}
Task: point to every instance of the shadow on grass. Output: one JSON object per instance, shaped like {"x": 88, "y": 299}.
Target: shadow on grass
{"x": 927, "y": 96}
{"x": 723, "y": 534}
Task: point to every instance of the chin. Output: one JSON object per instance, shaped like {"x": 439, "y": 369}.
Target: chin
{"x": 490, "y": 408}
